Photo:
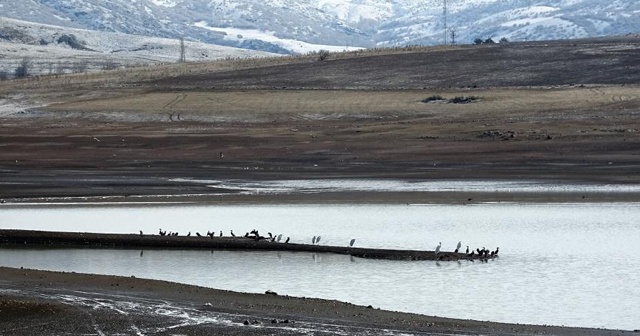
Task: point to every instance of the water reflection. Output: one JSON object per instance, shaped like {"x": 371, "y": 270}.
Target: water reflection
{"x": 561, "y": 264}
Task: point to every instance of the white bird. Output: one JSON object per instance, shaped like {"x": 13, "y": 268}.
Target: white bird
{"x": 438, "y": 247}
{"x": 318, "y": 239}
{"x": 313, "y": 240}
{"x": 353, "y": 241}
{"x": 279, "y": 237}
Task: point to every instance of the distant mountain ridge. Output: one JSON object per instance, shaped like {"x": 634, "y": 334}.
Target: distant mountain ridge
{"x": 295, "y": 26}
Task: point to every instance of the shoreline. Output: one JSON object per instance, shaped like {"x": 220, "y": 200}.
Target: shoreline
{"x": 60, "y": 300}
{"x": 332, "y": 197}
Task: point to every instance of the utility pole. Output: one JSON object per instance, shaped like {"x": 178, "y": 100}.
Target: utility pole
{"x": 446, "y": 32}
{"x": 182, "y": 51}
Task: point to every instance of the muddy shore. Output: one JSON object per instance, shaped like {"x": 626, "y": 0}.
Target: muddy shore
{"x": 53, "y": 303}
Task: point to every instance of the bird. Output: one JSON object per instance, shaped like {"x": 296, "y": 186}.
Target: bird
{"x": 287, "y": 241}
{"x": 313, "y": 240}
{"x": 458, "y": 247}
{"x": 270, "y": 235}
{"x": 232, "y": 234}
{"x": 220, "y": 233}
{"x": 279, "y": 237}
{"x": 497, "y": 249}
{"x": 467, "y": 249}
{"x": 438, "y": 247}
{"x": 318, "y": 239}
{"x": 221, "y": 155}
{"x": 189, "y": 234}
{"x": 353, "y": 241}
{"x": 141, "y": 234}
{"x": 198, "y": 234}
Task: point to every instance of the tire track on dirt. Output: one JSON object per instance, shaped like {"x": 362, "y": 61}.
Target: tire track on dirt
{"x": 170, "y": 105}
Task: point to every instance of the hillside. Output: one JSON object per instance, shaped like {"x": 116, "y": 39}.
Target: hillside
{"x": 596, "y": 61}
{"x": 56, "y": 50}
{"x": 299, "y": 26}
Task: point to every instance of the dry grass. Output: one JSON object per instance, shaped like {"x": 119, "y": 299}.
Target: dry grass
{"x": 135, "y": 77}
{"x": 530, "y": 104}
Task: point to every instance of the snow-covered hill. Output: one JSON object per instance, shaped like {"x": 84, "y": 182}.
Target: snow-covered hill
{"x": 51, "y": 49}
{"x": 287, "y": 26}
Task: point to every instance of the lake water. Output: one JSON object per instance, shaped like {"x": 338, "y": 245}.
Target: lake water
{"x": 560, "y": 264}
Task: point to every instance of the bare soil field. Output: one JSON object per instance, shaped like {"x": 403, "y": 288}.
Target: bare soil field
{"x": 556, "y": 111}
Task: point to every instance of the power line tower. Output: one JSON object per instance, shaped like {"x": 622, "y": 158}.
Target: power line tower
{"x": 446, "y": 31}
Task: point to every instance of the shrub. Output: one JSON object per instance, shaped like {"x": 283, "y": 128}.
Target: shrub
{"x": 463, "y": 99}
{"x": 23, "y": 69}
{"x": 323, "y": 54}
{"x": 433, "y": 99}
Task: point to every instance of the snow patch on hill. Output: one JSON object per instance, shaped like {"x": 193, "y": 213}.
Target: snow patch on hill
{"x": 296, "y": 46}
{"x": 52, "y": 49}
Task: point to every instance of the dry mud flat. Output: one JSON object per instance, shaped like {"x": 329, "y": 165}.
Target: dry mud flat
{"x": 153, "y": 143}
{"x": 53, "y": 303}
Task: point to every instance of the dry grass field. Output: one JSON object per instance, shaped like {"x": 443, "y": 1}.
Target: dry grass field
{"x": 564, "y": 110}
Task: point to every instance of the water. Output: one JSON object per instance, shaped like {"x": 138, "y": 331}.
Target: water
{"x": 561, "y": 264}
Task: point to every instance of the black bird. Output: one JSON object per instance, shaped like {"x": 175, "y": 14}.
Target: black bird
{"x": 287, "y": 241}
{"x": 479, "y": 253}
{"x": 270, "y": 235}
{"x": 198, "y": 234}
{"x": 141, "y": 233}
{"x": 220, "y": 233}
{"x": 232, "y": 234}
{"x": 189, "y": 234}
{"x": 467, "y": 249}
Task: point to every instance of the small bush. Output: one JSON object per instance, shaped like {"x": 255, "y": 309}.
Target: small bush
{"x": 433, "y": 98}
{"x": 323, "y": 55}
{"x": 463, "y": 100}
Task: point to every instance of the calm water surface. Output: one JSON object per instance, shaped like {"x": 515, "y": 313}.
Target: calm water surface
{"x": 568, "y": 264}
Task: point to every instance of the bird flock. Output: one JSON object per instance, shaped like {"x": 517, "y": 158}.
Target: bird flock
{"x": 254, "y": 234}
